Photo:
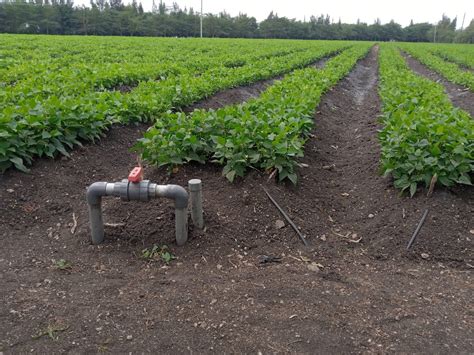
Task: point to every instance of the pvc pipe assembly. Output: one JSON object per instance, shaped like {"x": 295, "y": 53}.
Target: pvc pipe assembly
{"x": 141, "y": 191}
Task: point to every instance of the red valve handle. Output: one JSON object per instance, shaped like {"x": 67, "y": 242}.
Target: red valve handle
{"x": 136, "y": 175}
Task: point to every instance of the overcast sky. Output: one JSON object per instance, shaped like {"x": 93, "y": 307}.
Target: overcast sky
{"x": 402, "y": 11}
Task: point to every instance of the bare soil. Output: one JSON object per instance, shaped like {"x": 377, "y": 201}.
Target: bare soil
{"x": 460, "y": 96}
{"x": 355, "y": 289}
{"x": 124, "y": 88}
{"x": 233, "y": 96}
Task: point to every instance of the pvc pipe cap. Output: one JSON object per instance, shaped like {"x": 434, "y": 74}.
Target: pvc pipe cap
{"x": 195, "y": 184}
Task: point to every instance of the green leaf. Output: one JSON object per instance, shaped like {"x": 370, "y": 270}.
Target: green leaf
{"x": 230, "y": 175}
{"x": 464, "y": 179}
{"x": 293, "y": 178}
{"x": 45, "y": 135}
{"x": 18, "y": 162}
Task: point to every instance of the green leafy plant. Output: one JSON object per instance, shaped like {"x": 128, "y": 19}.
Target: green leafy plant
{"x": 423, "y": 134}
{"x": 459, "y": 54}
{"x": 450, "y": 71}
{"x": 63, "y": 97}
{"x": 51, "y": 331}
{"x": 265, "y": 133}
{"x": 157, "y": 252}
{"x": 62, "y": 264}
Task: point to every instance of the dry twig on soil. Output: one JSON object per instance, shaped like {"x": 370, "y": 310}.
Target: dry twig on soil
{"x": 74, "y": 223}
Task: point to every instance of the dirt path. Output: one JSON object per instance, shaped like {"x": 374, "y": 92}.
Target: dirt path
{"x": 338, "y": 295}
{"x": 233, "y": 96}
{"x": 459, "y": 95}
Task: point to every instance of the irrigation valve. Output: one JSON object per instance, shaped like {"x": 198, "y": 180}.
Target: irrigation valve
{"x": 136, "y": 189}
{"x": 136, "y": 175}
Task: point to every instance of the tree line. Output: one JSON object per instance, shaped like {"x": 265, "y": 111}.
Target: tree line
{"x": 113, "y": 17}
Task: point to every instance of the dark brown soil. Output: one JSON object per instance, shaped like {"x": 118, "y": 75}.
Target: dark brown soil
{"x": 354, "y": 290}
{"x": 233, "y": 96}
{"x": 124, "y": 88}
{"x": 459, "y": 95}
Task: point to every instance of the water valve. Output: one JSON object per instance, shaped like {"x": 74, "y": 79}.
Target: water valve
{"x": 136, "y": 175}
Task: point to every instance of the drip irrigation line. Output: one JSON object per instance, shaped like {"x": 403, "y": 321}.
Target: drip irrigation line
{"x": 286, "y": 217}
{"x": 417, "y": 230}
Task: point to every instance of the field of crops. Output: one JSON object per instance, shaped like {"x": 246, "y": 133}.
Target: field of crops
{"x": 455, "y": 63}
{"x": 354, "y": 141}
{"x": 57, "y": 93}
{"x": 424, "y": 136}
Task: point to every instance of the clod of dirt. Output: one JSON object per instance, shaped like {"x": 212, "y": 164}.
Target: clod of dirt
{"x": 425, "y": 255}
{"x": 314, "y": 267}
{"x": 279, "y": 224}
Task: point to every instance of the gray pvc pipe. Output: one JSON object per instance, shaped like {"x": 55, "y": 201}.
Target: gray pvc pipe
{"x": 174, "y": 192}
{"x": 195, "y": 192}
{"x": 180, "y": 197}
{"x": 181, "y": 225}
{"x": 142, "y": 191}
{"x": 94, "y": 200}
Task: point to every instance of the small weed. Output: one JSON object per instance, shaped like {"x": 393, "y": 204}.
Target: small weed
{"x": 51, "y": 331}
{"x": 149, "y": 254}
{"x": 62, "y": 264}
{"x": 102, "y": 348}
{"x": 158, "y": 252}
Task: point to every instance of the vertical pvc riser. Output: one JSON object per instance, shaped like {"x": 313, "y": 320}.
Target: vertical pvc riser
{"x": 97, "y": 224}
{"x": 181, "y": 221}
{"x": 195, "y": 191}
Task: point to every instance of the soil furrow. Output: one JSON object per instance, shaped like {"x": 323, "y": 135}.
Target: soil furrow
{"x": 242, "y": 94}
{"x": 343, "y": 178}
{"x": 460, "y": 96}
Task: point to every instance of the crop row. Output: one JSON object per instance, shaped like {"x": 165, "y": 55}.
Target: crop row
{"x": 38, "y": 125}
{"x": 450, "y": 71}
{"x": 463, "y": 56}
{"x": 424, "y": 137}
{"x": 183, "y": 90}
{"x": 265, "y": 133}
{"x": 71, "y": 74}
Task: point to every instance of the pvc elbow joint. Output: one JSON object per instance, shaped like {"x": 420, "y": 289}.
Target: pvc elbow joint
{"x": 174, "y": 192}
{"x": 95, "y": 192}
